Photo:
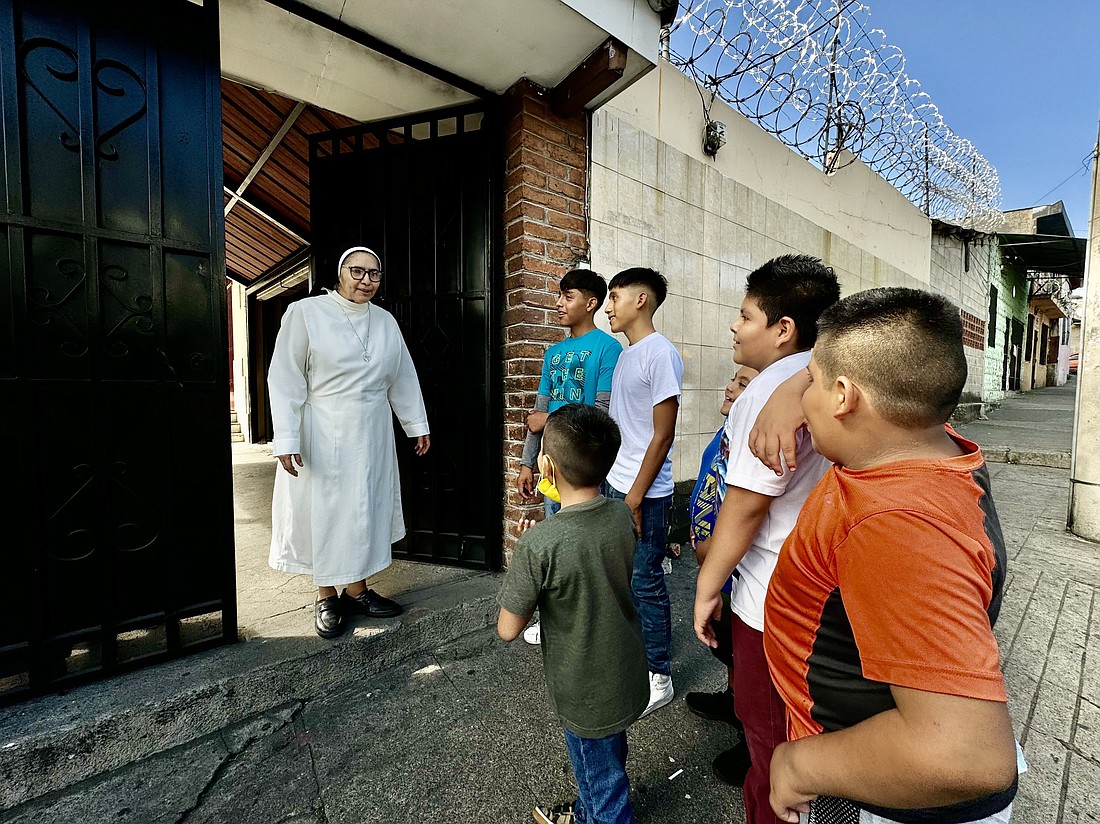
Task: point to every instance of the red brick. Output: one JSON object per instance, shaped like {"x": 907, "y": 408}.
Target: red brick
{"x": 516, "y": 415}
{"x": 536, "y": 160}
{"x": 550, "y": 200}
{"x": 524, "y": 243}
{"x": 570, "y": 190}
{"x": 549, "y": 233}
{"x": 535, "y": 266}
{"x": 516, "y": 431}
{"x": 565, "y": 255}
{"x": 574, "y": 158}
{"x": 530, "y": 297}
{"x": 578, "y": 241}
{"x": 566, "y": 221}
{"x": 577, "y": 176}
{"x": 524, "y": 174}
{"x": 521, "y": 281}
{"x": 529, "y": 333}
{"x": 523, "y": 350}
{"x": 528, "y": 382}
{"x": 552, "y": 134}
{"x": 524, "y": 314}
{"x": 523, "y": 209}
{"x": 525, "y": 366}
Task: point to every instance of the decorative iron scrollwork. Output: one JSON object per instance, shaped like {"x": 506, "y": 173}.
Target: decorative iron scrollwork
{"x": 44, "y": 308}
{"x": 103, "y": 147}
{"x": 139, "y": 312}
{"x": 128, "y": 84}
{"x": 79, "y": 542}
{"x": 70, "y": 135}
{"x": 130, "y": 535}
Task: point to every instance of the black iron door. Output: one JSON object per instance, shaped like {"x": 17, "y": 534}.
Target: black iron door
{"x": 118, "y": 544}
{"x": 420, "y": 191}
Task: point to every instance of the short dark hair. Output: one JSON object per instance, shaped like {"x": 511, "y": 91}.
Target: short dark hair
{"x": 799, "y": 287}
{"x": 653, "y": 281}
{"x": 583, "y": 440}
{"x": 903, "y": 346}
{"x": 585, "y": 280}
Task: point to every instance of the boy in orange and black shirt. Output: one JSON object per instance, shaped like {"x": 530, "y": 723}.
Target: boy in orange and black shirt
{"x": 879, "y": 616}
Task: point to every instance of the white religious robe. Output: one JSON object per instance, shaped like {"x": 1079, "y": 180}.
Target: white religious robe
{"x": 338, "y": 518}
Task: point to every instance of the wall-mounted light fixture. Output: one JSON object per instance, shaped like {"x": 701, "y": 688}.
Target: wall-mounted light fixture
{"x": 714, "y": 137}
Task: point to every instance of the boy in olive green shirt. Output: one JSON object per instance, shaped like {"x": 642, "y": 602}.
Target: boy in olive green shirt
{"x": 576, "y": 568}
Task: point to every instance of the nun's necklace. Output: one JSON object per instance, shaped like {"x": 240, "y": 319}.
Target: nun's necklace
{"x": 366, "y": 354}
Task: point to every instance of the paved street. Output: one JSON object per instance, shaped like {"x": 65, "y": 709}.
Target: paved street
{"x": 464, "y": 732}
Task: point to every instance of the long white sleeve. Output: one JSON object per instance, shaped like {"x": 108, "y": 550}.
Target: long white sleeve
{"x": 405, "y": 396}
{"x": 286, "y": 381}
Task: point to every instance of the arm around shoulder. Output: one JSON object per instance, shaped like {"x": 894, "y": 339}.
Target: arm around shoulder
{"x": 773, "y": 438}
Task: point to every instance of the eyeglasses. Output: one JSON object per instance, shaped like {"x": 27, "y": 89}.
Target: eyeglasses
{"x": 357, "y": 273}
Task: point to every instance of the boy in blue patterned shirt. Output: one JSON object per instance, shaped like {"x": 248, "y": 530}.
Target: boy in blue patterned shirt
{"x": 577, "y": 369}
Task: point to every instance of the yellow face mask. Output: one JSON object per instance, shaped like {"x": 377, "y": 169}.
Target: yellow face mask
{"x": 546, "y": 483}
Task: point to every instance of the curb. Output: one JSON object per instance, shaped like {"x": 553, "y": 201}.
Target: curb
{"x": 1027, "y": 457}
{"x": 53, "y": 742}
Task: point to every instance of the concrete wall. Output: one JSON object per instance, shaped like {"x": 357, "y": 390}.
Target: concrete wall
{"x": 960, "y": 270}
{"x": 657, "y": 200}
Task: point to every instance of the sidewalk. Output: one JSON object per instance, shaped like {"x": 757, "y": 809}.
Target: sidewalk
{"x": 462, "y": 730}
{"x": 1033, "y": 428}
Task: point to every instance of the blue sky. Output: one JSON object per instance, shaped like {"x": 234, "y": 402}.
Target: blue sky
{"x": 1020, "y": 80}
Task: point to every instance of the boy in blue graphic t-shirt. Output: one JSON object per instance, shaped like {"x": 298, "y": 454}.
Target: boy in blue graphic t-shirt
{"x": 577, "y": 369}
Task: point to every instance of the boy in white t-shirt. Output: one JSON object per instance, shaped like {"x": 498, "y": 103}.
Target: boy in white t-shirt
{"x": 773, "y": 334}
{"x": 645, "y": 399}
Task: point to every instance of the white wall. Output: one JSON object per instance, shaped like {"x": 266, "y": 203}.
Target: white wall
{"x": 656, "y": 200}
{"x": 968, "y": 288}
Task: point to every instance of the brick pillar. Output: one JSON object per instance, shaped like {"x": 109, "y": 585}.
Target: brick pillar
{"x": 545, "y": 234}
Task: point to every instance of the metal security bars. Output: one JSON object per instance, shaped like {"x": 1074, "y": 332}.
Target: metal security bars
{"x": 812, "y": 73}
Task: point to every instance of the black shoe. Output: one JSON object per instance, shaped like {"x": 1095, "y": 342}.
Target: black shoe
{"x": 328, "y": 618}
{"x": 370, "y": 603}
{"x": 732, "y": 766}
{"x": 713, "y": 706}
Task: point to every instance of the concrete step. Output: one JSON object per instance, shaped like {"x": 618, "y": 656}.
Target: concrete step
{"x": 53, "y": 742}
{"x": 235, "y": 433}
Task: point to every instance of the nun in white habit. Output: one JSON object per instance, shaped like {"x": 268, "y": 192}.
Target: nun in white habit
{"x": 340, "y": 365}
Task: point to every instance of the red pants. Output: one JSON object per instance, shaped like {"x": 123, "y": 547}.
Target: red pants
{"x": 761, "y": 710}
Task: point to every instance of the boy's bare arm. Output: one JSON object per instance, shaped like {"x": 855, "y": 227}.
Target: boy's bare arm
{"x": 932, "y": 750}
{"x": 773, "y": 435}
{"x": 738, "y": 521}
{"x": 510, "y": 625}
{"x": 664, "y": 432}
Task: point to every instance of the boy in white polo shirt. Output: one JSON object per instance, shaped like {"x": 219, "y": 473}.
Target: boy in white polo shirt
{"x": 645, "y": 399}
{"x": 773, "y": 334}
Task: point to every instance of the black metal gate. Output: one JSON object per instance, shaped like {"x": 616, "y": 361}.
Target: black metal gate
{"x": 118, "y": 543}
{"x": 421, "y": 192}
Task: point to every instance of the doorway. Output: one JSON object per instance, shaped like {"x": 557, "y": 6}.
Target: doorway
{"x": 421, "y": 190}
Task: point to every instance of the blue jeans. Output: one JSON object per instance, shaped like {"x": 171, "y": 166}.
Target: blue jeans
{"x": 648, "y": 587}
{"x": 550, "y": 507}
{"x": 603, "y": 790}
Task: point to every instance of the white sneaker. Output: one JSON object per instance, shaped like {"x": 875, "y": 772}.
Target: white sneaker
{"x": 533, "y": 634}
{"x": 660, "y": 692}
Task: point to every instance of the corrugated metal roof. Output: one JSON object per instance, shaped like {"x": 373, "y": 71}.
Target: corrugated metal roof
{"x": 266, "y": 176}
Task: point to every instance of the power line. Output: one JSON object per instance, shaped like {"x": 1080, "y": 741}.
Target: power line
{"x": 1084, "y": 163}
